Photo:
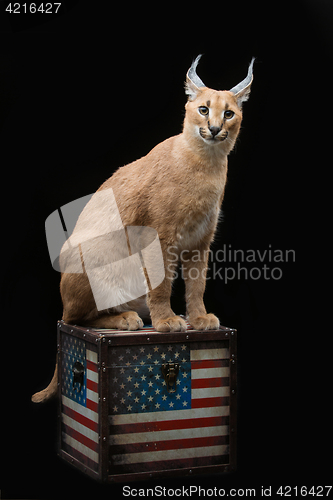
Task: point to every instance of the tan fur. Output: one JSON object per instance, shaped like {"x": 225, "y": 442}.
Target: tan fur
{"x": 176, "y": 189}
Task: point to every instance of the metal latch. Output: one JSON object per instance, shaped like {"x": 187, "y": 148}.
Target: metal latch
{"x": 78, "y": 375}
{"x": 170, "y": 372}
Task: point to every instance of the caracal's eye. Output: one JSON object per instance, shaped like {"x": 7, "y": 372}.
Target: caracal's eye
{"x": 203, "y": 110}
{"x": 228, "y": 114}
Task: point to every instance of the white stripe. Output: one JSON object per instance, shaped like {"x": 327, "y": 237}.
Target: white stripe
{"x": 159, "y": 416}
{"x": 152, "y": 456}
{"x": 210, "y": 373}
{"x": 81, "y": 448}
{"x": 86, "y": 412}
{"x": 146, "y": 437}
{"x": 212, "y": 392}
{"x": 92, "y": 356}
{"x": 198, "y": 355}
{"x": 82, "y": 429}
{"x": 92, "y": 376}
{"x": 92, "y": 396}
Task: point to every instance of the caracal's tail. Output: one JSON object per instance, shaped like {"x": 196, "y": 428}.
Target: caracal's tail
{"x": 50, "y": 391}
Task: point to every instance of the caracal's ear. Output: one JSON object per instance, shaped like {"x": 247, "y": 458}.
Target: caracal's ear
{"x": 243, "y": 89}
{"x": 193, "y": 83}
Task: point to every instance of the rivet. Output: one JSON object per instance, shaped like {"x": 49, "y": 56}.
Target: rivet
{"x": 227, "y": 334}
{"x": 232, "y": 333}
{"x": 186, "y": 337}
{"x": 84, "y": 335}
{"x": 104, "y": 369}
{"x": 233, "y": 361}
{"x": 148, "y": 339}
{"x": 72, "y": 330}
{"x": 110, "y": 341}
{"x": 104, "y": 399}
{"x": 190, "y": 471}
{"x": 233, "y": 391}
{"x": 232, "y": 355}
{"x": 104, "y": 438}
{"x": 104, "y": 339}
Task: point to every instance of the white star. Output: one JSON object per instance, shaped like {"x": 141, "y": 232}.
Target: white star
{"x": 115, "y": 379}
{"x": 150, "y": 399}
{"x": 136, "y": 369}
{"x": 170, "y": 348}
{"x": 157, "y": 405}
{"x": 163, "y": 355}
{"x": 115, "y": 409}
{"x": 129, "y": 393}
{"x": 184, "y": 375}
{"x": 184, "y": 389}
{"x": 178, "y": 396}
{"x": 142, "y": 363}
{"x": 129, "y": 407}
{"x": 129, "y": 379}
{"x": 183, "y": 347}
{"x": 157, "y": 376}
{"x": 115, "y": 394}
{"x": 150, "y": 384}
{"x": 122, "y": 370}
{"x": 142, "y": 349}
{"x": 121, "y": 358}
{"x": 157, "y": 391}
{"x": 164, "y": 397}
{"x": 136, "y": 400}
{"x": 176, "y": 354}
{"x": 128, "y": 363}
{"x": 184, "y": 403}
{"x": 143, "y": 407}
{"x": 128, "y": 351}
{"x": 156, "y": 349}
{"x": 122, "y": 386}
{"x": 150, "y": 368}
{"x": 148, "y": 356}
{"x": 134, "y": 357}
{"x": 143, "y": 393}
{"x": 143, "y": 378}
{"x": 136, "y": 385}
{"x": 171, "y": 404}
{"x": 122, "y": 401}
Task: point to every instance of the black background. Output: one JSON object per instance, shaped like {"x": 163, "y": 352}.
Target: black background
{"x": 92, "y": 89}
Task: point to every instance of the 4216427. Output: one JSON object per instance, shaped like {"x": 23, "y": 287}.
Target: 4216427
{"x": 33, "y": 8}
{"x": 304, "y": 491}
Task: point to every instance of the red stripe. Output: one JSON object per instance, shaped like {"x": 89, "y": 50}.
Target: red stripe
{"x": 167, "y": 425}
{"x": 91, "y": 366}
{"x": 88, "y": 462}
{"x": 172, "y": 444}
{"x": 93, "y": 386}
{"x": 92, "y": 405}
{"x": 208, "y": 402}
{"x": 209, "y": 363}
{"x": 81, "y": 438}
{"x": 202, "y": 383}
{"x": 80, "y": 418}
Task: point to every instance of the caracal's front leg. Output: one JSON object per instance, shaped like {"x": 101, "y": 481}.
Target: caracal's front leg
{"x": 194, "y": 267}
{"x": 158, "y": 300}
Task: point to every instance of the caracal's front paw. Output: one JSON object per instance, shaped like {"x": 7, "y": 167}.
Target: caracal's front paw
{"x": 129, "y": 320}
{"x": 172, "y": 324}
{"x": 205, "y": 322}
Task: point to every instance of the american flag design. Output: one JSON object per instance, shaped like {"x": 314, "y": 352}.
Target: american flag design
{"x": 79, "y": 401}
{"x": 152, "y": 429}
